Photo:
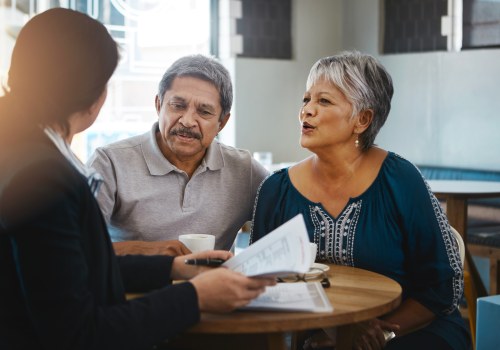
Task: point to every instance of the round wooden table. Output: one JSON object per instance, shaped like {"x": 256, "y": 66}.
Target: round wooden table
{"x": 355, "y": 294}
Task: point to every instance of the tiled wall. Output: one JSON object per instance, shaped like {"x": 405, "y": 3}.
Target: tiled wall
{"x": 414, "y": 25}
{"x": 266, "y": 29}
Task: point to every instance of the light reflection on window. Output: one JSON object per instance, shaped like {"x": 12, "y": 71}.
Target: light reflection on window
{"x": 152, "y": 35}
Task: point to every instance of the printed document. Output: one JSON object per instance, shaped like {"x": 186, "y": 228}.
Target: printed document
{"x": 284, "y": 251}
{"x": 298, "y": 296}
{"x": 281, "y": 252}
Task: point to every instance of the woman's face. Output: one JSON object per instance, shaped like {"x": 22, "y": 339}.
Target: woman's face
{"x": 325, "y": 118}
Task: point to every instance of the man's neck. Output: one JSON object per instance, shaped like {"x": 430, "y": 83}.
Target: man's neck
{"x": 187, "y": 164}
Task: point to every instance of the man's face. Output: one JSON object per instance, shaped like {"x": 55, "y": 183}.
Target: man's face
{"x": 189, "y": 119}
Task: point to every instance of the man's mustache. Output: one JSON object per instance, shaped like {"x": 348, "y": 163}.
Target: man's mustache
{"x": 185, "y": 132}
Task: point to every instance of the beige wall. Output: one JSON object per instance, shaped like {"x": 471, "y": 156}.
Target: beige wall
{"x": 269, "y": 92}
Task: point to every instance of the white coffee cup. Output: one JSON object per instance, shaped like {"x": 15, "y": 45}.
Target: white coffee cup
{"x": 314, "y": 249}
{"x": 198, "y": 242}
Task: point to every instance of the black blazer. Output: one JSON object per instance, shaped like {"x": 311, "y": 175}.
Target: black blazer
{"x": 61, "y": 286}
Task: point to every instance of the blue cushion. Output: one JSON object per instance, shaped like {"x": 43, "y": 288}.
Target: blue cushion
{"x": 488, "y": 237}
{"x": 431, "y": 172}
{"x": 451, "y": 173}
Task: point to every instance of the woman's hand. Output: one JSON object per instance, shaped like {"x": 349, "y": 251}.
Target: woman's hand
{"x": 172, "y": 248}
{"x": 223, "y": 290}
{"x": 369, "y": 335}
{"x": 180, "y": 270}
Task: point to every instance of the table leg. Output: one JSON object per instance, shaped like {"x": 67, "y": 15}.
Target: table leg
{"x": 266, "y": 341}
{"x": 276, "y": 341}
{"x": 345, "y": 336}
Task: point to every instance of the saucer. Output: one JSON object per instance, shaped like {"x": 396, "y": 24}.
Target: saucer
{"x": 317, "y": 269}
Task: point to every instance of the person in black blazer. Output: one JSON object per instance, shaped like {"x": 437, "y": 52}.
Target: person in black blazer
{"x": 61, "y": 286}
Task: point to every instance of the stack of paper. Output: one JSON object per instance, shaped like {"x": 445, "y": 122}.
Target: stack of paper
{"x": 281, "y": 252}
{"x": 293, "y": 297}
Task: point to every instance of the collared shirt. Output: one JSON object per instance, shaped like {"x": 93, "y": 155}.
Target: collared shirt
{"x": 94, "y": 179}
{"x": 145, "y": 197}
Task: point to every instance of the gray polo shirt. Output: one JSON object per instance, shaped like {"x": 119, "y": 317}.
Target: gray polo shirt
{"x": 145, "y": 197}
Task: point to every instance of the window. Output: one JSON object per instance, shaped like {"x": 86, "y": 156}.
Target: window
{"x": 481, "y": 23}
{"x": 440, "y": 25}
{"x": 151, "y": 33}
{"x": 265, "y": 26}
{"x": 414, "y": 25}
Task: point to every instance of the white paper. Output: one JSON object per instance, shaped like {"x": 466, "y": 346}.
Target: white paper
{"x": 281, "y": 252}
{"x": 293, "y": 297}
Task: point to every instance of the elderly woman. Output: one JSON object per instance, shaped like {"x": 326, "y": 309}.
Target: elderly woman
{"x": 367, "y": 207}
{"x": 61, "y": 286}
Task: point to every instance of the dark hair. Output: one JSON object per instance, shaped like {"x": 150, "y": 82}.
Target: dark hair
{"x": 61, "y": 63}
{"x": 363, "y": 81}
{"x": 205, "y": 68}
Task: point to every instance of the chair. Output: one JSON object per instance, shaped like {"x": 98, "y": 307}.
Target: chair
{"x": 460, "y": 242}
{"x": 472, "y": 289}
{"x": 485, "y": 242}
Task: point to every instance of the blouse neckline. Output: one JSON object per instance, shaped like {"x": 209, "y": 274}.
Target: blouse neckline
{"x": 351, "y": 199}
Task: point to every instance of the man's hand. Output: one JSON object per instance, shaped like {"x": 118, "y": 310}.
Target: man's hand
{"x": 172, "y": 248}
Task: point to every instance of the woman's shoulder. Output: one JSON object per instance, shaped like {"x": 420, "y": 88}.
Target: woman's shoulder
{"x": 36, "y": 162}
{"x": 397, "y": 165}
{"x": 402, "y": 175}
{"x": 276, "y": 178}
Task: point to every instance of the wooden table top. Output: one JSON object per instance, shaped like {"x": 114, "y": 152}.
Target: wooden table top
{"x": 355, "y": 294}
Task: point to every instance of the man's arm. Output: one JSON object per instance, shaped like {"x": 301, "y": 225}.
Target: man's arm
{"x": 172, "y": 248}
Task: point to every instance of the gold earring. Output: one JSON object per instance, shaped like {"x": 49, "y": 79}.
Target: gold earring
{"x": 356, "y": 143}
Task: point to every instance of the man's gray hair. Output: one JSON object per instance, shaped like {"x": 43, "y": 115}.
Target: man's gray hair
{"x": 204, "y": 68}
{"x": 363, "y": 81}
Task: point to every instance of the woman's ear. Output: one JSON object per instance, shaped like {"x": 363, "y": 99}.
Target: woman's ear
{"x": 95, "y": 108}
{"x": 364, "y": 120}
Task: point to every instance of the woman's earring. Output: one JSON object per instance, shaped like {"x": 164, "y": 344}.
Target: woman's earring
{"x": 356, "y": 143}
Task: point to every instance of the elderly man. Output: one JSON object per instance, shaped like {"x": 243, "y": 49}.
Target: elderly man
{"x": 177, "y": 178}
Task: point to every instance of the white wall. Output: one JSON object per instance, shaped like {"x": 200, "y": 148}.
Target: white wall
{"x": 446, "y": 106}
{"x": 268, "y": 93}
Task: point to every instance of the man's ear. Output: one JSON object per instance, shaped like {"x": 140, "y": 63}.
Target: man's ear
{"x": 157, "y": 105}
{"x": 223, "y": 122}
{"x": 364, "y": 120}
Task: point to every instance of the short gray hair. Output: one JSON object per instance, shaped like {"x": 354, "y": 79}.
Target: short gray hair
{"x": 201, "y": 67}
{"x": 363, "y": 81}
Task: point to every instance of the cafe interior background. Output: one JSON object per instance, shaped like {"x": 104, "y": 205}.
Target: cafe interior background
{"x": 443, "y": 56}
{"x": 447, "y": 99}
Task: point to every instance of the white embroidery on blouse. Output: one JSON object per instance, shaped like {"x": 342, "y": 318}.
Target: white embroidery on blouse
{"x": 452, "y": 251}
{"x": 451, "y": 246}
{"x": 335, "y": 239}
